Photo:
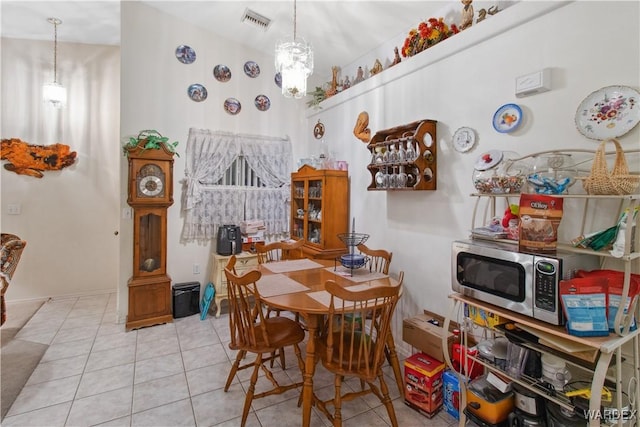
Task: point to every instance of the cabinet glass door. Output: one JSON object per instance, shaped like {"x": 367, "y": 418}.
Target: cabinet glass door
{"x": 298, "y": 210}
{"x": 314, "y": 212}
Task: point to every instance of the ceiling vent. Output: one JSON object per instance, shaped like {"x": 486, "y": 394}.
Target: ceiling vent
{"x": 255, "y": 19}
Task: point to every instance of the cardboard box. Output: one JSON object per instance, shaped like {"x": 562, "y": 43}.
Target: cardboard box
{"x": 425, "y": 336}
{"x": 253, "y": 237}
{"x": 252, "y": 226}
{"x": 427, "y": 403}
{"x": 482, "y": 317}
{"x": 423, "y": 383}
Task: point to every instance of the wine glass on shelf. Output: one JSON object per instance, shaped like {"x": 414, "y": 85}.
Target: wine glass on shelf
{"x": 402, "y": 152}
{"x": 402, "y": 178}
{"x": 410, "y": 152}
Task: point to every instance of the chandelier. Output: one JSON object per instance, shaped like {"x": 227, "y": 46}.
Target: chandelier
{"x": 294, "y": 62}
{"x": 54, "y": 93}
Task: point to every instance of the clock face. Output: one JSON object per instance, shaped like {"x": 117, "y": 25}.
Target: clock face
{"x": 150, "y": 181}
{"x": 464, "y": 139}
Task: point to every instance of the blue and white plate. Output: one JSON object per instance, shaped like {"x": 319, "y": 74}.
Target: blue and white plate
{"x": 278, "y": 79}
{"x": 185, "y": 54}
{"x": 232, "y": 106}
{"x": 251, "y": 69}
{"x": 507, "y": 118}
{"x": 197, "y": 92}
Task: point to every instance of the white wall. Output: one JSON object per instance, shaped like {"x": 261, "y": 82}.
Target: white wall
{"x": 465, "y": 89}
{"x": 68, "y": 217}
{"x": 154, "y": 96}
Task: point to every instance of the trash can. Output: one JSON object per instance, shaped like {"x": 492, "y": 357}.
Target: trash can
{"x": 186, "y": 299}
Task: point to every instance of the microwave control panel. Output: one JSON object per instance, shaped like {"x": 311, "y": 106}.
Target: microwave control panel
{"x": 546, "y": 286}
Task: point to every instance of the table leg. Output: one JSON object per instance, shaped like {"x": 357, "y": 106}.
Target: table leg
{"x": 313, "y": 323}
{"x": 395, "y": 363}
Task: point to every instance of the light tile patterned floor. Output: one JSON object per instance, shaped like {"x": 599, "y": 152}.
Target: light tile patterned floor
{"x": 96, "y": 374}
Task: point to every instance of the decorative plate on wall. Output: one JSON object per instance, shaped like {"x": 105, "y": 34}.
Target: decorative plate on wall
{"x": 222, "y": 73}
{"x": 507, "y": 118}
{"x": 318, "y": 130}
{"x": 197, "y": 92}
{"x": 232, "y": 106}
{"x": 185, "y": 54}
{"x": 278, "y": 79}
{"x": 262, "y": 102}
{"x": 609, "y": 112}
{"x": 251, "y": 69}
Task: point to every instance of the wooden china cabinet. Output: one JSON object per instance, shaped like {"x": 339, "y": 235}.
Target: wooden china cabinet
{"x": 320, "y": 210}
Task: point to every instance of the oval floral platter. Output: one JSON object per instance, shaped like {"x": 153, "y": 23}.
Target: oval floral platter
{"x": 222, "y": 73}
{"x": 197, "y": 92}
{"x": 232, "y": 106}
{"x": 507, "y": 118}
{"x": 609, "y": 112}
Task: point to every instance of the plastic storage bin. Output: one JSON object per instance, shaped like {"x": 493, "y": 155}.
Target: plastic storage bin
{"x": 186, "y": 299}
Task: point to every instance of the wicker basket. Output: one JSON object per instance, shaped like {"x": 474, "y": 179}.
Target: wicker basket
{"x": 601, "y": 181}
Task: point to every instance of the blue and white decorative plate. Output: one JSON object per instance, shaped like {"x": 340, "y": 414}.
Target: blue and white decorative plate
{"x": 262, "y": 102}
{"x": 251, "y": 69}
{"x": 185, "y": 54}
{"x": 232, "y": 106}
{"x": 507, "y": 118}
{"x": 278, "y": 79}
{"x": 197, "y": 92}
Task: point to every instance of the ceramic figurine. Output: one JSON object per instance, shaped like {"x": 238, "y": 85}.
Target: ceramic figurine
{"x": 396, "y": 58}
{"x": 359, "y": 76}
{"x": 377, "y": 67}
{"x": 333, "y": 89}
{"x": 467, "y": 14}
{"x": 347, "y": 83}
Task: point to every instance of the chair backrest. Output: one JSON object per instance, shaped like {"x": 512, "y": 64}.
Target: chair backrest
{"x": 10, "y": 253}
{"x": 280, "y": 251}
{"x": 246, "y": 318}
{"x": 378, "y": 259}
{"x": 358, "y": 326}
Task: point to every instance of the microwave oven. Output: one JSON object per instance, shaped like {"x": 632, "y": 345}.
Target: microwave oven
{"x": 525, "y": 283}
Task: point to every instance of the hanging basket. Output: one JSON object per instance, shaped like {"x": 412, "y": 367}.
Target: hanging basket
{"x": 618, "y": 181}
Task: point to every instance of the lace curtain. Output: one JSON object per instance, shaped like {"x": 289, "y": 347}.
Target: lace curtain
{"x": 206, "y": 206}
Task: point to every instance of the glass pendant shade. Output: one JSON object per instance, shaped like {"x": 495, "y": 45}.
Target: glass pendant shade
{"x": 294, "y": 61}
{"x": 54, "y": 94}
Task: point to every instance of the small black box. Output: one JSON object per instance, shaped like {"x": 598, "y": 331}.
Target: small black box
{"x": 186, "y": 299}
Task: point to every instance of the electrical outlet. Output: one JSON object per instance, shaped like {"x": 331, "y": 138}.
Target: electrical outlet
{"x": 127, "y": 213}
{"x": 14, "y": 209}
{"x": 196, "y": 268}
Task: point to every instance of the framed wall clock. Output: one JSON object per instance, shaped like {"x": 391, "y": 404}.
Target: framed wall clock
{"x": 464, "y": 139}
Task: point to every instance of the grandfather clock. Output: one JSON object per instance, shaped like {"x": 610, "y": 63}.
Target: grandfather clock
{"x": 150, "y": 195}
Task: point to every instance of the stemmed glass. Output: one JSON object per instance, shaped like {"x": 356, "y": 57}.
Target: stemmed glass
{"x": 411, "y": 153}
{"x": 393, "y": 178}
{"x": 402, "y": 153}
{"x": 402, "y": 178}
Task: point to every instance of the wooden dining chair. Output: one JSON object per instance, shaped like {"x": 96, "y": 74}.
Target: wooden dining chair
{"x": 11, "y": 247}
{"x": 253, "y": 332}
{"x": 280, "y": 251}
{"x": 378, "y": 259}
{"x": 352, "y": 344}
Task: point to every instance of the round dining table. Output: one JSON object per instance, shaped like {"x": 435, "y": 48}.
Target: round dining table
{"x": 311, "y": 302}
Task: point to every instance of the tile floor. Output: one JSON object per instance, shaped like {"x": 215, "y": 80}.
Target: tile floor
{"x": 96, "y": 374}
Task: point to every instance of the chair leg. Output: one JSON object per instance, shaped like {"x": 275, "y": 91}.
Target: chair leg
{"x": 337, "y": 415}
{"x": 251, "y": 390}
{"x": 234, "y": 368}
{"x": 392, "y": 359}
{"x": 386, "y": 400}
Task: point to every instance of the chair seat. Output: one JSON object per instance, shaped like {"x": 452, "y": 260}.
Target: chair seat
{"x": 344, "y": 365}
{"x": 282, "y": 332}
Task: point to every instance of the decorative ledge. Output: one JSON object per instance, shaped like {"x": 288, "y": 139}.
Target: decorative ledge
{"x": 496, "y": 25}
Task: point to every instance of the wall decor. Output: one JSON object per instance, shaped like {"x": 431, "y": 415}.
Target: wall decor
{"x": 197, "y": 92}
{"x": 609, "y": 112}
{"x": 464, "y": 139}
{"x": 185, "y": 54}
{"x": 262, "y": 102}
{"x": 222, "y": 73}
{"x": 29, "y": 159}
{"x": 360, "y": 130}
{"x": 318, "y": 130}
{"x": 278, "y": 79}
{"x": 251, "y": 69}
{"x": 507, "y": 118}
{"x": 232, "y": 106}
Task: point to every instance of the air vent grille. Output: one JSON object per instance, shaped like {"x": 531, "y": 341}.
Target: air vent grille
{"x": 255, "y": 19}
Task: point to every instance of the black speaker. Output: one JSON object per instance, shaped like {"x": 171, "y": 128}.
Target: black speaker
{"x": 186, "y": 299}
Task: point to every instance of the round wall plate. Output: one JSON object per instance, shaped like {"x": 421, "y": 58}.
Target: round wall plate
{"x": 464, "y": 139}
{"x": 507, "y": 118}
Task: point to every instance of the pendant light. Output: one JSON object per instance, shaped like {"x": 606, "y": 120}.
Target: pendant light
{"x": 294, "y": 62}
{"x": 54, "y": 94}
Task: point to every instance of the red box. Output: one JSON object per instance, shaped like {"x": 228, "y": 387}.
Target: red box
{"x": 428, "y": 403}
{"x": 423, "y": 372}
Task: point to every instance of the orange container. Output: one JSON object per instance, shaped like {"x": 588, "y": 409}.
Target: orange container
{"x": 487, "y": 402}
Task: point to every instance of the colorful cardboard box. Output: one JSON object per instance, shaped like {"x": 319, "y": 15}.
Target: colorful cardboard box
{"x": 423, "y": 383}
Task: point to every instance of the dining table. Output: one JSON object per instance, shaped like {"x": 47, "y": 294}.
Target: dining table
{"x": 299, "y": 286}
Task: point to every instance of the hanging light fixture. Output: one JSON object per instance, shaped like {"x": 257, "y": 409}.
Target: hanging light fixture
{"x": 294, "y": 62}
{"x": 54, "y": 93}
